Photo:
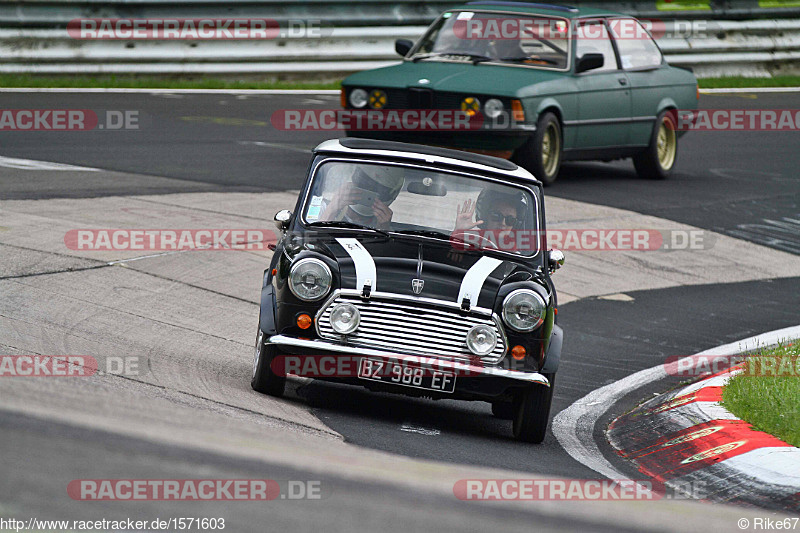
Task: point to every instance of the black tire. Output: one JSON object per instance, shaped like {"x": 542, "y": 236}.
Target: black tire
{"x": 533, "y": 412}
{"x": 264, "y": 379}
{"x": 653, "y": 163}
{"x": 503, "y": 410}
{"x": 531, "y": 155}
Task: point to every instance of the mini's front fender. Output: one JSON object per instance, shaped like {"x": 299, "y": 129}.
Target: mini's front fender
{"x": 267, "y": 323}
{"x": 553, "y": 357}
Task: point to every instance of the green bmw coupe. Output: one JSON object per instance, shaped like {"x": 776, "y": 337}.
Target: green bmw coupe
{"x": 549, "y": 84}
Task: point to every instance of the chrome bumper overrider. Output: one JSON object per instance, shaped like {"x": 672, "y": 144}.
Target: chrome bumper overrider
{"x": 530, "y": 377}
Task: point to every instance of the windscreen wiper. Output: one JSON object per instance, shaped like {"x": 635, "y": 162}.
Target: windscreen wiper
{"x": 527, "y": 58}
{"x": 476, "y": 58}
{"x": 346, "y": 224}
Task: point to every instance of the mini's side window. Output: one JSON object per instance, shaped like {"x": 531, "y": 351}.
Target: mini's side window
{"x": 592, "y": 38}
{"x": 636, "y": 47}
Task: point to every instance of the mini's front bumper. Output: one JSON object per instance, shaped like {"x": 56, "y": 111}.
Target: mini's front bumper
{"x": 458, "y": 367}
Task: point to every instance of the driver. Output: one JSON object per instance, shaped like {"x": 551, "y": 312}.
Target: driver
{"x": 364, "y": 198}
{"x": 493, "y": 210}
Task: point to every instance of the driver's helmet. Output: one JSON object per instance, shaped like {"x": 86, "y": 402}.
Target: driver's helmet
{"x": 489, "y": 199}
{"x": 387, "y": 182}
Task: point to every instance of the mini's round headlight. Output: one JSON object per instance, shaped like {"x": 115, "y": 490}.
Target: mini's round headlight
{"x": 358, "y": 98}
{"x": 310, "y": 279}
{"x": 345, "y": 318}
{"x": 524, "y": 310}
{"x": 493, "y": 108}
{"x": 378, "y": 99}
{"x": 481, "y": 339}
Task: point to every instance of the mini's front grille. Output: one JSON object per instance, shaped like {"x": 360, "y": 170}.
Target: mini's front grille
{"x": 411, "y": 328}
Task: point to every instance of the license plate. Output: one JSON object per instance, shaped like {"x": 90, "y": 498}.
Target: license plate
{"x": 406, "y": 374}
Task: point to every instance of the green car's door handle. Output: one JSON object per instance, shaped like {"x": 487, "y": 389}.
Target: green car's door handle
{"x": 622, "y": 81}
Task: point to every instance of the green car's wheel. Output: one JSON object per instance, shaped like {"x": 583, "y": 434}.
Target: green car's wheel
{"x": 657, "y": 160}
{"x": 264, "y": 379}
{"x": 533, "y": 412}
{"x": 541, "y": 155}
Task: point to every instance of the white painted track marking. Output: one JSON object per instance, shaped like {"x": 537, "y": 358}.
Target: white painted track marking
{"x": 32, "y": 164}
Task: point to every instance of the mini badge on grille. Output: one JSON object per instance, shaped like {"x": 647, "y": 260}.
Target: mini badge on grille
{"x": 417, "y": 284}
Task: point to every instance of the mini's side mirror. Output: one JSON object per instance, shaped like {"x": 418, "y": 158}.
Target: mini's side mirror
{"x": 589, "y": 62}
{"x": 555, "y": 260}
{"x": 282, "y": 219}
{"x": 403, "y": 46}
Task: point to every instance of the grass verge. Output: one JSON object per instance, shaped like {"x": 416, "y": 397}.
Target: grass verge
{"x": 767, "y": 393}
{"x": 254, "y": 82}
{"x": 739, "y": 82}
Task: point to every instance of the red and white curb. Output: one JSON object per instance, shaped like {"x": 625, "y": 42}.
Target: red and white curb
{"x": 686, "y": 438}
{"x": 574, "y": 428}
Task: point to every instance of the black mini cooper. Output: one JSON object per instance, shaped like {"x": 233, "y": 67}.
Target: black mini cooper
{"x": 415, "y": 270}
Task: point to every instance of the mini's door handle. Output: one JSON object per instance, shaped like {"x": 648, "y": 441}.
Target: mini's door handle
{"x": 622, "y": 81}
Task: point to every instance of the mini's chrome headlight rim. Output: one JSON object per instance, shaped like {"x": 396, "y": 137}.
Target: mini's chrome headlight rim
{"x": 489, "y": 330}
{"x": 356, "y": 321}
{"x": 511, "y": 323}
{"x": 328, "y": 278}
{"x": 358, "y": 98}
{"x": 493, "y": 108}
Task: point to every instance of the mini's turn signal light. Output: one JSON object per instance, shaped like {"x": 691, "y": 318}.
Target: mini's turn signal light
{"x": 304, "y": 321}
{"x": 518, "y": 352}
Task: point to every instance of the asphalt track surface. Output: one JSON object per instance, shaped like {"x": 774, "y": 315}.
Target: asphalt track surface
{"x": 743, "y": 184}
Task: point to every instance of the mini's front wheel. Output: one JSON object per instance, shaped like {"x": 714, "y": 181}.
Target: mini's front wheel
{"x": 264, "y": 379}
{"x": 533, "y": 412}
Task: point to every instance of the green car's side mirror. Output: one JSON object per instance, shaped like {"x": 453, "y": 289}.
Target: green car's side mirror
{"x": 403, "y": 46}
{"x": 589, "y": 62}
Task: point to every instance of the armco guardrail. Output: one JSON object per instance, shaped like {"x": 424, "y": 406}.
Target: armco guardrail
{"x": 360, "y": 34}
{"x": 754, "y": 48}
{"x": 47, "y": 13}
